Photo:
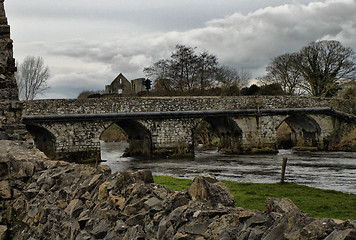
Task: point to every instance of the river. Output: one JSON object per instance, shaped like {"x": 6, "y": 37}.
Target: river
{"x": 325, "y": 170}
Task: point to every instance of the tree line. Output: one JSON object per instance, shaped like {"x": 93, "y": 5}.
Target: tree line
{"x": 189, "y": 72}
{"x": 318, "y": 69}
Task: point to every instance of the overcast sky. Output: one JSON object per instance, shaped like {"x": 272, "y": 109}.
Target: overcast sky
{"x": 87, "y": 43}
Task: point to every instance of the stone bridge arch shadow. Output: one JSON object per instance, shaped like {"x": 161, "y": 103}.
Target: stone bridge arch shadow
{"x": 298, "y": 131}
{"x": 224, "y": 128}
{"x": 138, "y": 137}
{"x": 44, "y": 140}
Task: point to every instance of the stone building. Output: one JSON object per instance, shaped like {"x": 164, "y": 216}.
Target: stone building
{"x": 137, "y": 85}
{"x": 122, "y": 86}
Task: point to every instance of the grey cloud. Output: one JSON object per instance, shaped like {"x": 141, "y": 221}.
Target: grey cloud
{"x": 255, "y": 38}
{"x": 248, "y": 40}
{"x": 72, "y": 84}
{"x": 241, "y": 40}
{"x": 151, "y": 15}
{"x": 88, "y": 51}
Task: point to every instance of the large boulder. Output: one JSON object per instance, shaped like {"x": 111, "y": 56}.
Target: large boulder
{"x": 280, "y": 205}
{"x": 208, "y": 189}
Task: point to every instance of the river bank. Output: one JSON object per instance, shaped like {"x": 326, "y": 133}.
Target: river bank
{"x": 321, "y": 169}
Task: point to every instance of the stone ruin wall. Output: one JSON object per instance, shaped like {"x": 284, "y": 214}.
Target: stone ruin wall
{"x": 10, "y": 107}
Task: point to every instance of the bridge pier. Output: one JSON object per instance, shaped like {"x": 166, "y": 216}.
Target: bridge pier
{"x": 229, "y": 133}
{"x": 258, "y": 132}
{"x": 171, "y": 137}
{"x": 327, "y": 125}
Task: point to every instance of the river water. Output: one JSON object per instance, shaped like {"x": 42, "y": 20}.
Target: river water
{"x": 326, "y": 170}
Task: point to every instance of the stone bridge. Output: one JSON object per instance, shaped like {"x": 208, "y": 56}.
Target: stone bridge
{"x": 164, "y": 126}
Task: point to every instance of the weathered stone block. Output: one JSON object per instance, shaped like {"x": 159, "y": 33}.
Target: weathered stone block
{"x": 103, "y": 192}
{"x": 5, "y": 190}
{"x": 74, "y": 208}
{"x": 280, "y": 205}
{"x": 208, "y": 189}
{"x": 3, "y": 232}
{"x": 342, "y": 234}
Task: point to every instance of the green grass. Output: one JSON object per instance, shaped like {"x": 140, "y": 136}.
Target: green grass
{"x": 315, "y": 202}
{"x": 177, "y": 184}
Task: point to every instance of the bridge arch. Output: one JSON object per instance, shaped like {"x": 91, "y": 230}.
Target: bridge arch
{"x": 139, "y": 138}
{"x": 227, "y": 130}
{"x": 298, "y": 131}
{"x": 44, "y": 140}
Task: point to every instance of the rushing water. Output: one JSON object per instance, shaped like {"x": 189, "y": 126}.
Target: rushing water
{"x": 327, "y": 170}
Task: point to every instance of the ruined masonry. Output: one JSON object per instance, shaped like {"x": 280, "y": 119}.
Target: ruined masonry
{"x": 10, "y": 108}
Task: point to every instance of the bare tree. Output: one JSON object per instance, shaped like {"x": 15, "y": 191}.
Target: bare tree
{"x": 160, "y": 72}
{"x": 323, "y": 65}
{"x": 32, "y": 76}
{"x": 228, "y": 76}
{"x": 206, "y": 69}
{"x": 283, "y": 71}
{"x": 317, "y": 69}
{"x": 183, "y": 67}
{"x": 187, "y": 71}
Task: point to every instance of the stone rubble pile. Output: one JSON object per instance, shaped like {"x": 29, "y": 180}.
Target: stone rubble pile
{"x": 44, "y": 199}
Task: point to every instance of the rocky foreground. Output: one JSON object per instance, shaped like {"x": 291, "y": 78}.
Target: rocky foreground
{"x": 44, "y": 199}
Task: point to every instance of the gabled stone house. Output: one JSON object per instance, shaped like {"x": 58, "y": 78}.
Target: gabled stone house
{"x": 122, "y": 86}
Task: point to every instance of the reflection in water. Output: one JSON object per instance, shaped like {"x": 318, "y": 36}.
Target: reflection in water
{"x": 327, "y": 170}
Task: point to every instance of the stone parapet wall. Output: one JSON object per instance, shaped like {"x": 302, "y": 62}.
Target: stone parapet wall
{"x": 159, "y": 104}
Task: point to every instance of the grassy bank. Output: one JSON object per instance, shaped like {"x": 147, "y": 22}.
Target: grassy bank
{"x": 316, "y": 202}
